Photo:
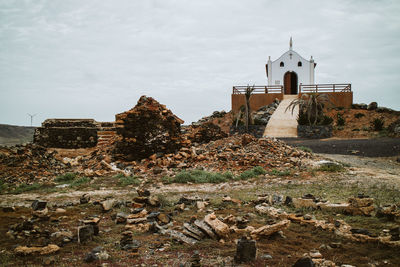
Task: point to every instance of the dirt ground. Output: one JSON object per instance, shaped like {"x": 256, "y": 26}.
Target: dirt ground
{"x": 375, "y": 147}
{"x": 377, "y": 177}
{"x": 358, "y": 123}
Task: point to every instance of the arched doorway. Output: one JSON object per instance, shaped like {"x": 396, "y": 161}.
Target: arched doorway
{"x": 290, "y": 83}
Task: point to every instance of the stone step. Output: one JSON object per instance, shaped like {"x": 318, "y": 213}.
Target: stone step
{"x": 283, "y": 123}
{"x": 106, "y": 135}
{"x": 106, "y": 132}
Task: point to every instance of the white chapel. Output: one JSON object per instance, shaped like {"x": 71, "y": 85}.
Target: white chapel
{"x": 289, "y": 70}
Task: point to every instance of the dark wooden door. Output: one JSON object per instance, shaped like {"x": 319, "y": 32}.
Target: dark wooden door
{"x": 287, "y": 84}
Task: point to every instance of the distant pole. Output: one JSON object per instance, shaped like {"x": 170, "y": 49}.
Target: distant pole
{"x": 30, "y": 115}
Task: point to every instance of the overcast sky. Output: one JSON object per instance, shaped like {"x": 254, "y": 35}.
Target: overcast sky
{"x": 94, "y": 59}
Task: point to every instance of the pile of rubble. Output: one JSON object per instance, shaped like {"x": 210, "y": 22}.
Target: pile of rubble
{"x": 28, "y": 163}
{"x": 263, "y": 114}
{"x": 234, "y": 153}
{"x": 215, "y": 114}
{"x": 204, "y": 133}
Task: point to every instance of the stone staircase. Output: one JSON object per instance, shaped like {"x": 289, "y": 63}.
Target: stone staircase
{"x": 281, "y": 123}
{"x": 105, "y": 133}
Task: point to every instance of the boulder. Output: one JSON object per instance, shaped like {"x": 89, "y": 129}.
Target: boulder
{"x": 39, "y": 205}
{"x": 107, "y": 205}
{"x": 220, "y": 228}
{"x": 23, "y": 250}
{"x": 372, "y": 106}
{"x": 194, "y": 230}
{"x": 85, "y": 233}
{"x": 85, "y": 198}
{"x": 269, "y": 229}
{"x": 181, "y": 237}
{"x": 304, "y": 203}
{"x": 394, "y": 127}
{"x": 304, "y": 262}
{"x": 245, "y": 250}
{"x": 205, "y": 228}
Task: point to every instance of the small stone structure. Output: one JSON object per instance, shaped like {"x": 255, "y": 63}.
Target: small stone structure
{"x": 70, "y": 133}
{"x": 147, "y": 129}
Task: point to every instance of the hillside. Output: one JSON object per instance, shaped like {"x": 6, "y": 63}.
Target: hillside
{"x": 13, "y": 135}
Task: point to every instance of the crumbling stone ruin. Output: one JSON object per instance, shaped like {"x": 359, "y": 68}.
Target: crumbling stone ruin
{"x": 67, "y": 133}
{"x": 147, "y": 129}
{"x": 73, "y": 133}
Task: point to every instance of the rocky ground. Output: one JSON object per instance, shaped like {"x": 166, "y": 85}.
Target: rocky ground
{"x": 286, "y": 214}
{"x": 195, "y": 197}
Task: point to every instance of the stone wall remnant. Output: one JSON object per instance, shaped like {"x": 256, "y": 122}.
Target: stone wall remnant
{"x": 147, "y": 129}
{"x": 67, "y": 133}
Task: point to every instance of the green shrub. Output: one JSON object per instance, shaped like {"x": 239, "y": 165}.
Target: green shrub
{"x": 67, "y": 177}
{"x": 302, "y": 119}
{"x": 359, "y": 115}
{"x": 377, "y": 124}
{"x": 276, "y": 172}
{"x": 199, "y": 176}
{"x": 128, "y": 180}
{"x": 305, "y": 149}
{"x": 325, "y": 120}
{"x": 254, "y": 172}
{"x": 331, "y": 168}
{"x": 259, "y": 170}
{"x": 322, "y": 120}
{"x": 3, "y": 187}
{"x": 340, "y": 121}
{"x": 258, "y": 122}
{"x": 25, "y": 188}
{"x": 167, "y": 180}
{"x": 80, "y": 181}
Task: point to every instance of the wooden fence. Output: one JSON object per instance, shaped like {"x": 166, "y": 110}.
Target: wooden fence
{"x": 264, "y": 89}
{"x": 325, "y": 88}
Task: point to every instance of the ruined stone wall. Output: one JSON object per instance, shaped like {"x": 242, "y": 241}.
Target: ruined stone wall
{"x": 67, "y": 133}
{"x": 147, "y": 129}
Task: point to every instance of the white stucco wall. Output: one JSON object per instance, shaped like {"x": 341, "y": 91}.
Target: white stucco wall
{"x": 305, "y": 73}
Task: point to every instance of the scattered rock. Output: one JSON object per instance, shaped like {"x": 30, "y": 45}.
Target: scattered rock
{"x": 245, "y": 250}
{"x": 205, "y": 228}
{"x": 107, "y": 205}
{"x": 195, "y": 259}
{"x": 8, "y": 209}
{"x": 180, "y": 237}
{"x": 304, "y": 262}
{"x": 269, "y": 229}
{"x": 23, "y": 250}
{"x": 39, "y": 205}
{"x": 85, "y": 198}
{"x": 85, "y": 233}
{"x": 98, "y": 253}
{"x": 220, "y": 228}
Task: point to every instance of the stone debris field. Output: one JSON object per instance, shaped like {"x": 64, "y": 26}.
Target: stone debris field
{"x": 147, "y": 191}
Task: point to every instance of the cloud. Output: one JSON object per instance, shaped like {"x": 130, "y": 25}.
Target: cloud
{"x": 96, "y": 58}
